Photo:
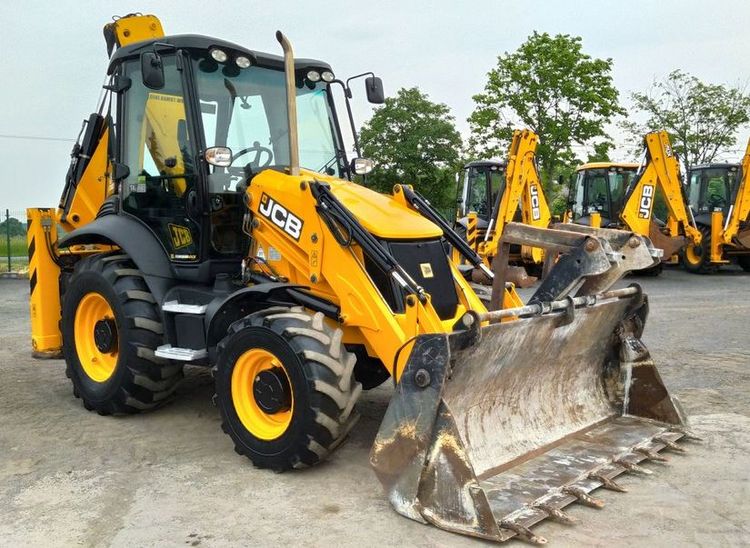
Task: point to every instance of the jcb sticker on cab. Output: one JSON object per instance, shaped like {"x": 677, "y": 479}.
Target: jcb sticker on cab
{"x": 280, "y": 216}
{"x": 180, "y": 235}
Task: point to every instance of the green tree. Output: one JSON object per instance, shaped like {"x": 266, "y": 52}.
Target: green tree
{"x": 601, "y": 152}
{"x": 414, "y": 141}
{"x": 552, "y": 87}
{"x": 16, "y": 227}
{"x": 702, "y": 119}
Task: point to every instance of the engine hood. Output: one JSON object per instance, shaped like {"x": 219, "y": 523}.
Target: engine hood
{"x": 380, "y": 214}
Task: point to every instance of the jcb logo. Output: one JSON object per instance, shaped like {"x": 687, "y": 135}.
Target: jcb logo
{"x": 180, "y": 235}
{"x": 280, "y": 216}
{"x": 536, "y": 213}
{"x": 647, "y": 201}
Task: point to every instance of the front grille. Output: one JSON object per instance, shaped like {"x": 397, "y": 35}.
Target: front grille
{"x": 427, "y": 263}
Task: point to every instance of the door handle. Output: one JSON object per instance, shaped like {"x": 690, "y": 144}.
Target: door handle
{"x": 192, "y": 204}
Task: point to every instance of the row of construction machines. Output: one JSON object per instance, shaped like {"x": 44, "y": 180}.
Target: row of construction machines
{"x": 493, "y": 194}
{"x": 702, "y": 222}
{"x": 190, "y": 234}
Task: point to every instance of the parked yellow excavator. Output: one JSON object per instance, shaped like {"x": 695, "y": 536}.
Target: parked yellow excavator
{"x": 719, "y": 197}
{"x": 625, "y": 195}
{"x": 494, "y": 194}
{"x": 210, "y": 219}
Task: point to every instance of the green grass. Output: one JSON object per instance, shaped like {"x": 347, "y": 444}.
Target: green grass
{"x": 16, "y": 264}
{"x": 17, "y": 247}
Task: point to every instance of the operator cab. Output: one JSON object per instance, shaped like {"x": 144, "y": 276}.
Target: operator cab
{"x": 179, "y": 98}
{"x": 712, "y": 187}
{"x": 483, "y": 183}
{"x": 601, "y": 188}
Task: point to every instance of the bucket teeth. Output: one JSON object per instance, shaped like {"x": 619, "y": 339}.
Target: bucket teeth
{"x": 555, "y": 514}
{"x": 523, "y": 533}
{"x": 633, "y": 467}
{"x": 583, "y": 497}
{"x": 608, "y": 483}
{"x": 670, "y": 444}
{"x": 651, "y": 455}
{"x": 686, "y": 434}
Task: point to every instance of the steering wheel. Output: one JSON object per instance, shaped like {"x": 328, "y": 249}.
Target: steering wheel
{"x": 255, "y": 164}
{"x": 716, "y": 200}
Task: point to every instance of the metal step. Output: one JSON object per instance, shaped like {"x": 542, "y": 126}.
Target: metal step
{"x": 181, "y": 308}
{"x": 180, "y": 354}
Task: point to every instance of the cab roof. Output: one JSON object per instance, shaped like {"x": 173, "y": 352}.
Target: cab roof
{"x": 197, "y": 41}
{"x": 486, "y": 163}
{"x": 718, "y": 165}
{"x": 606, "y": 165}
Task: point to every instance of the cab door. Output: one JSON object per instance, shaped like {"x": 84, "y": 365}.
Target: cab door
{"x": 162, "y": 186}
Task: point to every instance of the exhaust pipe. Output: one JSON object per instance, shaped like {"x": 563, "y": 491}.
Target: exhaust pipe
{"x": 291, "y": 102}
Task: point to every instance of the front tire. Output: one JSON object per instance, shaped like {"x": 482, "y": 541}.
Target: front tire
{"x": 111, "y": 327}
{"x": 285, "y": 388}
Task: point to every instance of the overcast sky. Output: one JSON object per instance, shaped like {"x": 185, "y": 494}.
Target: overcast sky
{"x": 53, "y": 55}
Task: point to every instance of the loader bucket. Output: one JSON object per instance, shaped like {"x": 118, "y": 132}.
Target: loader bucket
{"x": 493, "y": 430}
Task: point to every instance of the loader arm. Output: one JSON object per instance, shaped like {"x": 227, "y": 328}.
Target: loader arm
{"x": 661, "y": 170}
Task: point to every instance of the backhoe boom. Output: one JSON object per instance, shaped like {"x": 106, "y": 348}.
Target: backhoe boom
{"x": 660, "y": 171}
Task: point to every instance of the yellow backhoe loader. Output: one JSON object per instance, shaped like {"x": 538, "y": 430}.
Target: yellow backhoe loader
{"x": 720, "y": 200}
{"x": 212, "y": 221}
{"x": 623, "y": 195}
{"x": 494, "y": 194}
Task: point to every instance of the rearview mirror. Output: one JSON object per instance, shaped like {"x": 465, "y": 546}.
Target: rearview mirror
{"x": 219, "y": 156}
{"x": 362, "y": 166}
{"x": 374, "y": 88}
{"x": 152, "y": 70}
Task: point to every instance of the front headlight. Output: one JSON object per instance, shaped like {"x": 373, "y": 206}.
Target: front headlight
{"x": 242, "y": 62}
{"x": 219, "y": 55}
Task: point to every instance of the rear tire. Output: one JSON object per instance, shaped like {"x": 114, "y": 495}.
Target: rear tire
{"x": 117, "y": 373}
{"x": 318, "y": 373}
{"x": 744, "y": 262}
{"x": 697, "y": 259}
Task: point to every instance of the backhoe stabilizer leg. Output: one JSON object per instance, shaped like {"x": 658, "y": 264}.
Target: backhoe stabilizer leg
{"x": 44, "y": 283}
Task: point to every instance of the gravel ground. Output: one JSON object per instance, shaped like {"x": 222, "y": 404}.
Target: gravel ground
{"x": 69, "y": 477}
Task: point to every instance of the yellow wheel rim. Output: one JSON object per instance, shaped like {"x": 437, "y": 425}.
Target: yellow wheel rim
{"x": 97, "y": 364}
{"x": 261, "y": 424}
{"x": 694, "y": 254}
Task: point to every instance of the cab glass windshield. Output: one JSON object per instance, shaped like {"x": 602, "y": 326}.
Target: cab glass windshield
{"x": 245, "y": 110}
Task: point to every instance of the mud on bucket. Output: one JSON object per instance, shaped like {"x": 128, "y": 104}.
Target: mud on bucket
{"x": 489, "y": 433}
